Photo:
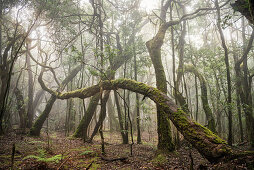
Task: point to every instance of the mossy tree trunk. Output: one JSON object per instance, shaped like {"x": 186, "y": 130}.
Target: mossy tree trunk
{"x": 36, "y": 128}
{"x": 123, "y": 130}
{"x": 203, "y": 85}
{"x": 81, "y": 131}
{"x": 102, "y": 114}
{"x": 154, "y": 45}
{"x": 111, "y": 114}
{"x": 243, "y": 85}
{"x": 21, "y": 108}
{"x": 205, "y": 141}
{"x": 30, "y": 108}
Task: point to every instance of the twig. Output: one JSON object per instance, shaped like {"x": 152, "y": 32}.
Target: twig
{"x": 114, "y": 159}
{"x": 12, "y": 156}
{"x": 63, "y": 162}
{"x": 89, "y": 166}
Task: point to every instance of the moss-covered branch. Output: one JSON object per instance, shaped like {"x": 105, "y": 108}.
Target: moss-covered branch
{"x": 206, "y": 142}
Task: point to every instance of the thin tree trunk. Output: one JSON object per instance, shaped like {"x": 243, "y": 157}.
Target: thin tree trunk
{"x": 30, "y": 109}
{"x": 121, "y": 120}
{"x": 229, "y": 97}
{"x": 137, "y": 96}
{"x": 20, "y": 108}
{"x": 102, "y": 115}
{"x": 111, "y": 113}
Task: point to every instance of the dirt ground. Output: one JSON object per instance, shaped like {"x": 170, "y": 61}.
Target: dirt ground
{"x": 58, "y": 152}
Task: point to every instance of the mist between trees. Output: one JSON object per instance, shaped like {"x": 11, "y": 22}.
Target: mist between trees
{"x": 161, "y": 72}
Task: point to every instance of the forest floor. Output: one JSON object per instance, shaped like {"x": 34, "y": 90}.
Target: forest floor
{"x": 58, "y": 152}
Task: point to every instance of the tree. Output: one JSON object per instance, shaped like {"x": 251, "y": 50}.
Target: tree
{"x": 165, "y": 142}
{"x": 229, "y": 98}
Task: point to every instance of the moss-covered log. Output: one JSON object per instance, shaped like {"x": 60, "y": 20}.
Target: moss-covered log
{"x": 205, "y": 141}
{"x": 206, "y": 107}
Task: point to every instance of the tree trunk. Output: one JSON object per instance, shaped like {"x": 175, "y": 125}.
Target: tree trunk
{"x": 30, "y": 109}
{"x": 165, "y": 142}
{"x": 203, "y": 85}
{"x": 123, "y": 131}
{"x": 102, "y": 115}
{"x": 38, "y": 98}
{"x": 137, "y": 97}
{"x": 20, "y": 108}
{"x": 81, "y": 131}
{"x": 115, "y": 63}
{"x": 4, "y": 78}
{"x": 111, "y": 113}
{"x": 36, "y": 128}
{"x": 229, "y": 97}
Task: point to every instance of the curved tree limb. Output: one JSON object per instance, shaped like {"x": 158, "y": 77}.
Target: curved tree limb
{"x": 207, "y": 143}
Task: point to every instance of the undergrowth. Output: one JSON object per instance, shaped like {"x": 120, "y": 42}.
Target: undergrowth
{"x": 42, "y": 157}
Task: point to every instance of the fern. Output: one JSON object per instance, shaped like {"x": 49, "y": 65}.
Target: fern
{"x": 55, "y": 158}
{"x": 86, "y": 152}
{"x": 42, "y": 157}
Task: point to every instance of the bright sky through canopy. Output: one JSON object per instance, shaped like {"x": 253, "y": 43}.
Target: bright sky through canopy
{"x": 149, "y": 5}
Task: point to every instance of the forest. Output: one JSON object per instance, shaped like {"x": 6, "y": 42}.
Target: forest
{"x": 126, "y": 84}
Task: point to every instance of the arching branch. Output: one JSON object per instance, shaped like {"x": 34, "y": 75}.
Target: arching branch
{"x": 207, "y": 143}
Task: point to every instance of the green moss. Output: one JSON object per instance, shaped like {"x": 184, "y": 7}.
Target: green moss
{"x": 181, "y": 118}
{"x": 55, "y": 158}
{"x": 42, "y": 156}
{"x": 87, "y": 152}
{"x": 159, "y": 160}
{"x": 211, "y": 135}
{"x": 36, "y": 142}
